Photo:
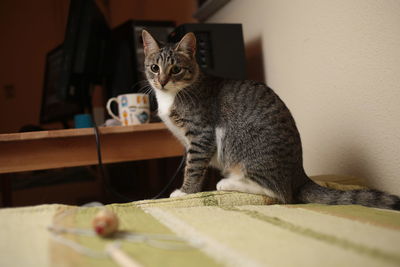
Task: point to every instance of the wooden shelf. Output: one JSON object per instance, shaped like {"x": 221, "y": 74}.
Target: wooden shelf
{"x": 80, "y": 132}
{"x": 77, "y": 147}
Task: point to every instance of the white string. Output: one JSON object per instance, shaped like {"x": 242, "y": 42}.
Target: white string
{"x": 163, "y": 241}
{"x": 75, "y": 231}
{"x": 78, "y": 247}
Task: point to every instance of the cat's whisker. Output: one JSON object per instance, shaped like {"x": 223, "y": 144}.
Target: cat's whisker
{"x": 146, "y": 89}
{"x": 192, "y": 96}
{"x": 188, "y": 97}
{"x": 180, "y": 98}
{"x": 141, "y": 82}
{"x": 183, "y": 96}
{"x": 144, "y": 85}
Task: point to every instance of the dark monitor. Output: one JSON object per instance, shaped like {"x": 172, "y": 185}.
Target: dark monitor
{"x": 220, "y": 48}
{"x": 81, "y": 62}
{"x": 53, "y": 107}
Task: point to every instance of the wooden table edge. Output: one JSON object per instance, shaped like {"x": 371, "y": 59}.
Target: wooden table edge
{"x": 80, "y": 132}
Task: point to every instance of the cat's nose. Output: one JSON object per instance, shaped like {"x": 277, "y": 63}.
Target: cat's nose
{"x": 163, "y": 80}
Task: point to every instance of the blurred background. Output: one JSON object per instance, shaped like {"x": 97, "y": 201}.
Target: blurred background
{"x": 335, "y": 64}
{"x": 60, "y": 58}
{"x": 30, "y": 29}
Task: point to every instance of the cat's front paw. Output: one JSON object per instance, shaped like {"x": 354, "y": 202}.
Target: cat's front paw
{"x": 177, "y": 193}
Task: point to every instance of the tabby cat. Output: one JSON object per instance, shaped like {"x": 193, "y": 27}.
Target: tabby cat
{"x": 240, "y": 127}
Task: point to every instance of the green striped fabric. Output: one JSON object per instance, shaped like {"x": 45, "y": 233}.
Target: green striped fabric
{"x": 228, "y": 229}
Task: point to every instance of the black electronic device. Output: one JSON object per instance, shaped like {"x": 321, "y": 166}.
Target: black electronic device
{"x": 77, "y": 64}
{"x": 92, "y": 54}
{"x": 53, "y": 108}
{"x": 85, "y": 45}
{"x": 220, "y": 48}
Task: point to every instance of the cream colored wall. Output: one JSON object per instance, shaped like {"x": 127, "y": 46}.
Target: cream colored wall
{"x": 336, "y": 64}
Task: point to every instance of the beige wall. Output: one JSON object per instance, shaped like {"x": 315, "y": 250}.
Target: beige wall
{"x": 336, "y": 64}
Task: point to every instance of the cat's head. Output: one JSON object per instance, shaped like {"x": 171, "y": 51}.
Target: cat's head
{"x": 172, "y": 67}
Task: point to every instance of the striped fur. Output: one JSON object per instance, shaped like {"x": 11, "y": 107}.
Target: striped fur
{"x": 240, "y": 127}
{"x": 314, "y": 193}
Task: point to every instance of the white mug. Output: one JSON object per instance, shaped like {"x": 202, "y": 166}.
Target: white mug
{"x": 132, "y": 109}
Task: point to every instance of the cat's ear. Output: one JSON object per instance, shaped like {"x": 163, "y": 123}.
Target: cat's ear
{"x": 150, "y": 45}
{"x": 187, "y": 44}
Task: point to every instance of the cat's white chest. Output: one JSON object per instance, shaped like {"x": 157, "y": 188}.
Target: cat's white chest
{"x": 165, "y": 102}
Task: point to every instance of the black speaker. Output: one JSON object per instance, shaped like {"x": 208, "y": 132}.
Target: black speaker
{"x": 220, "y": 48}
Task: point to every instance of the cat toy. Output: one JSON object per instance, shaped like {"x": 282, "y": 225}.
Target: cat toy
{"x": 105, "y": 223}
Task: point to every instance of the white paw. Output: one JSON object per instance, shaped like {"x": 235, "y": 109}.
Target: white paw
{"x": 177, "y": 193}
{"x": 225, "y": 185}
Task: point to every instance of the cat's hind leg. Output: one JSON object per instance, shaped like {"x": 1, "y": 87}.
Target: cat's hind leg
{"x": 241, "y": 185}
{"x": 237, "y": 181}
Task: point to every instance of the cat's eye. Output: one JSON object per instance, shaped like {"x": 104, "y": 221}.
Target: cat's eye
{"x": 176, "y": 70}
{"x": 155, "y": 68}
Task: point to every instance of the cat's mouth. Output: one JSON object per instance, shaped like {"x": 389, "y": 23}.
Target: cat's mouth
{"x": 157, "y": 86}
{"x": 169, "y": 87}
{"x": 163, "y": 88}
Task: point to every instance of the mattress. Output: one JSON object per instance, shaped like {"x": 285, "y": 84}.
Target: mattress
{"x": 204, "y": 229}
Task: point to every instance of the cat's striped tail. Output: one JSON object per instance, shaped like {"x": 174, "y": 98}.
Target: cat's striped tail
{"x": 311, "y": 192}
